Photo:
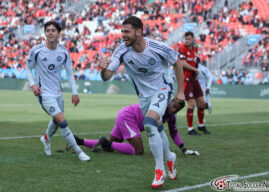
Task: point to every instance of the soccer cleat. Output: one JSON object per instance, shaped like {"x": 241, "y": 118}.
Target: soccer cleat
{"x": 47, "y": 149}
{"x": 83, "y": 157}
{"x": 99, "y": 146}
{"x": 158, "y": 179}
{"x": 193, "y": 132}
{"x": 203, "y": 128}
{"x": 172, "y": 172}
{"x": 191, "y": 152}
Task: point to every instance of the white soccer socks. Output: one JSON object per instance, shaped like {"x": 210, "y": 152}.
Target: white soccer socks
{"x": 68, "y": 135}
{"x": 52, "y": 128}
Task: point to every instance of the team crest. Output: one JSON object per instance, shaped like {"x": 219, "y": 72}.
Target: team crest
{"x": 52, "y": 109}
{"x": 59, "y": 58}
{"x": 152, "y": 61}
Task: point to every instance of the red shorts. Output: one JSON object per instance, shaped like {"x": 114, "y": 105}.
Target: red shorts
{"x": 192, "y": 89}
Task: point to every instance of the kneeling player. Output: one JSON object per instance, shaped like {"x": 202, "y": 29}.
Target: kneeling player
{"x": 128, "y": 125}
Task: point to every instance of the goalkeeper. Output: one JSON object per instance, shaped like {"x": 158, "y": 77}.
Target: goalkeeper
{"x": 128, "y": 125}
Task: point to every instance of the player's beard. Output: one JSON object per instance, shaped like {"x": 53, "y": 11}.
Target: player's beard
{"x": 131, "y": 41}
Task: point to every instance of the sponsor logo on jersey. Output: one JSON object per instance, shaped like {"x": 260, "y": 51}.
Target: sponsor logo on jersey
{"x": 51, "y": 66}
{"x": 145, "y": 74}
{"x": 152, "y": 61}
{"x": 59, "y": 58}
{"x": 190, "y": 59}
{"x": 143, "y": 70}
{"x": 29, "y": 60}
{"x": 44, "y": 59}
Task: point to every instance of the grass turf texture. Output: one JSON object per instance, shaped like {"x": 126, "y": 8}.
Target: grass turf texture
{"x": 239, "y": 149}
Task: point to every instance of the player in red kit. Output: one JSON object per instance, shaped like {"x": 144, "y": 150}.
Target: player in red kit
{"x": 192, "y": 90}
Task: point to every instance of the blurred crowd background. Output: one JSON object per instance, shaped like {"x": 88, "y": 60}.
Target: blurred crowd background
{"x": 232, "y": 36}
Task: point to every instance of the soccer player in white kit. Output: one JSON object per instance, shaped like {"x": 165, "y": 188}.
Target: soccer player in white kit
{"x": 146, "y": 62}
{"x": 205, "y": 79}
{"x": 47, "y": 59}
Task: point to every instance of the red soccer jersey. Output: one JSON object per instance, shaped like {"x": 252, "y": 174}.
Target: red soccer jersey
{"x": 190, "y": 56}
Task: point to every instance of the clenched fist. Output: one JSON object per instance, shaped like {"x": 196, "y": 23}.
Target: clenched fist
{"x": 104, "y": 63}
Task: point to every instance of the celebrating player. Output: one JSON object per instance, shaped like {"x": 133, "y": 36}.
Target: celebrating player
{"x": 192, "y": 89}
{"x": 205, "y": 79}
{"x": 48, "y": 59}
{"x": 146, "y": 62}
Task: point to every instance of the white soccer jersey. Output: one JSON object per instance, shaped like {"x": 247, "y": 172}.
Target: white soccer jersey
{"x": 148, "y": 70}
{"x": 205, "y": 77}
{"x": 48, "y": 65}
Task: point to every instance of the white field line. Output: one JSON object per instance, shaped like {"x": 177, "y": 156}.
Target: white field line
{"x": 186, "y": 188}
{"x": 95, "y": 133}
{"x": 239, "y": 123}
{"x": 37, "y": 136}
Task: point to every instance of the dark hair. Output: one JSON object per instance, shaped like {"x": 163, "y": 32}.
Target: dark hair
{"x": 54, "y": 23}
{"x": 189, "y": 33}
{"x": 134, "y": 21}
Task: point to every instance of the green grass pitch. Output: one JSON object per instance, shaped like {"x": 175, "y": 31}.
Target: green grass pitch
{"x": 238, "y": 145}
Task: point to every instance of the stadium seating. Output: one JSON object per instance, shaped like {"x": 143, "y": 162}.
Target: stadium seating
{"x": 160, "y": 19}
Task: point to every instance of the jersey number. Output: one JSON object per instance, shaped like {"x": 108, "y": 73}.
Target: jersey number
{"x": 161, "y": 97}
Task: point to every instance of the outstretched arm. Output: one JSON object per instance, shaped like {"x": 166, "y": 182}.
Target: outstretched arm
{"x": 172, "y": 122}
{"x": 172, "y": 126}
